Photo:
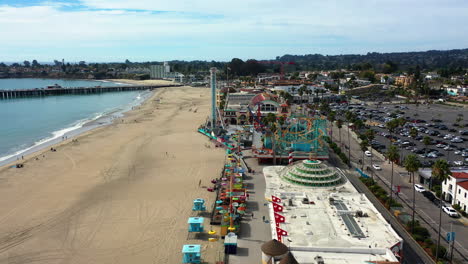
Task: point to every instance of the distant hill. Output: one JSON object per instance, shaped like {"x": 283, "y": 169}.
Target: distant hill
{"x": 427, "y": 60}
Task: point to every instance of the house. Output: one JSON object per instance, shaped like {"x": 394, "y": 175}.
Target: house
{"x": 403, "y": 80}
{"x": 455, "y": 189}
{"x": 386, "y": 79}
{"x": 361, "y": 82}
{"x": 431, "y": 76}
{"x": 242, "y": 108}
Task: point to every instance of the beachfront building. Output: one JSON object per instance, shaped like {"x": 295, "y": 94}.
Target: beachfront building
{"x": 455, "y": 189}
{"x": 245, "y": 108}
{"x": 319, "y": 215}
{"x": 157, "y": 71}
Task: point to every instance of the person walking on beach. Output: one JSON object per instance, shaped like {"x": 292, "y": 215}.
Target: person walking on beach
{"x": 199, "y": 183}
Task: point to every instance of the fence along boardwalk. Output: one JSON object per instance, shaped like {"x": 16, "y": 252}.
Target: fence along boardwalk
{"x": 12, "y": 94}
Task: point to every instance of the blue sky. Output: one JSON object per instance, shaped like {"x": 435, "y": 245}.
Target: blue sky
{"x": 147, "y": 30}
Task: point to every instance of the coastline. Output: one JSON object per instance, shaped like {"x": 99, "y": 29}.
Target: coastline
{"x": 119, "y": 192}
{"x": 105, "y": 118}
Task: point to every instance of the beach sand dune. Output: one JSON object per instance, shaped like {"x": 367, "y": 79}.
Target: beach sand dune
{"x": 120, "y": 194}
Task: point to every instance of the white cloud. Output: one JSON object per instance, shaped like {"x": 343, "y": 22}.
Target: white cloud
{"x": 307, "y": 26}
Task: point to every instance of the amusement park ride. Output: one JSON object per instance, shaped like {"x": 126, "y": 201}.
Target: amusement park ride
{"x": 303, "y": 136}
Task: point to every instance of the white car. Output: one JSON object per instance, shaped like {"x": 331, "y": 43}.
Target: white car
{"x": 376, "y": 167}
{"x": 419, "y": 188}
{"x": 458, "y": 163}
{"x": 449, "y": 210}
{"x": 456, "y": 140}
{"x": 368, "y": 153}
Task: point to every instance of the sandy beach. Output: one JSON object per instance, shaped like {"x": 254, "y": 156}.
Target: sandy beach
{"x": 118, "y": 194}
{"x": 142, "y": 82}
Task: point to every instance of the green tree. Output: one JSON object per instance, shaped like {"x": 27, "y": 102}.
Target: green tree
{"x": 391, "y": 126}
{"x": 426, "y": 141}
{"x": 413, "y": 132}
{"x": 412, "y": 165}
{"x": 364, "y": 147}
{"x": 272, "y": 129}
{"x": 26, "y": 63}
{"x": 339, "y": 125}
{"x": 35, "y": 64}
{"x": 269, "y": 119}
{"x": 393, "y": 156}
{"x": 370, "y": 135}
{"x": 349, "y": 118}
{"x": 331, "y": 118}
{"x": 369, "y": 75}
{"x": 440, "y": 171}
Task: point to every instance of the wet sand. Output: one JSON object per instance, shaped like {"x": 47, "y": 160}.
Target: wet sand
{"x": 113, "y": 195}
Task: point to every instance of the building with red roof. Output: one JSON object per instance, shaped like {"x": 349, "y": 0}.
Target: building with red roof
{"x": 455, "y": 189}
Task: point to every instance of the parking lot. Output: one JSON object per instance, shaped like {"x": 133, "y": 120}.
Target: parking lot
{"x": 449, "y": 138}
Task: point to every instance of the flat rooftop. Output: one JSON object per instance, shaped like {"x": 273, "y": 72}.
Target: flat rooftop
{"x": 333, "y": 222}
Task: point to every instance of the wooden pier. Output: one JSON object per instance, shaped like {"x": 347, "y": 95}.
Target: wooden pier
{"x": 12, "y": 94}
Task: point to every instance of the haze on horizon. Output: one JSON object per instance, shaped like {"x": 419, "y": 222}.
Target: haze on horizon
{"x": 154, "y": 30}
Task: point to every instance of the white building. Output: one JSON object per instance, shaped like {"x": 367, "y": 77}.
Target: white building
{"x": 455, "y": 189}
{"x": 157, "y": 72}
{"x": 325, "y": 217}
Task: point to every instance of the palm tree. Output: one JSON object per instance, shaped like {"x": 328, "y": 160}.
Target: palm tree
{"x": 426, "y": 141}
{"x": 413, "y": 132}
{"x": 440, "y": 171}
{"x": 393, "y": 156}
{"x": 273, "y": 129}
{"x": 339, "y": 124}
{"x": 391, "y": 126}
{"x": 364, "y": 146}
{"x": 412, "y": 165}
{"x": 331, "y": 118}
{"x": 370, "y": 135}
{"x": 349, "y": 117}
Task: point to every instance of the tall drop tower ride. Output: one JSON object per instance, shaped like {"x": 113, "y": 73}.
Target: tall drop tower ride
{"x": 213, "y": 97}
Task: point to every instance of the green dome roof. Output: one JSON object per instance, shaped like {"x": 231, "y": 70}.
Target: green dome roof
{"x": 312, "y": 173}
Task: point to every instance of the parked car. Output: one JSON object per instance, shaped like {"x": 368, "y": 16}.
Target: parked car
{"x": 464, "y": 132}
{"x": 458, "y": 163}
{"x": 449, "y": 210}
{"x": 368, "y": 153}
{"x": 456, "y": 140}
{"x": 429, "y": 195}
{"x": 419, "y": 188}
{"x": 376, "y": 167}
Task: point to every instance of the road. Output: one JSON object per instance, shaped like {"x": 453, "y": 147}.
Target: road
{"x": 425, "y": 209}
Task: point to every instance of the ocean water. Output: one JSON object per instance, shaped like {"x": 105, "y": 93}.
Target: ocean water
{"x": 31, "y": 83}
{"x": 28, "y": 123}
